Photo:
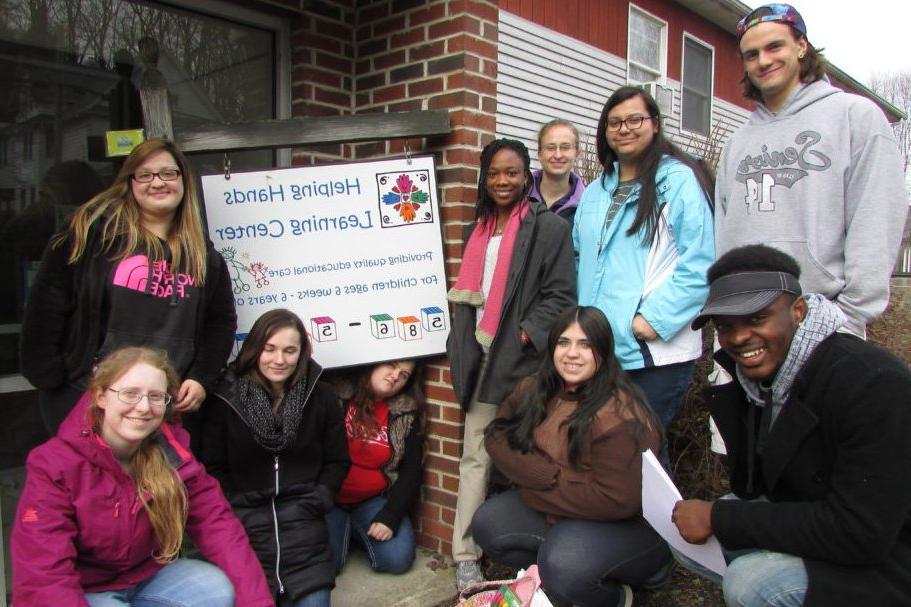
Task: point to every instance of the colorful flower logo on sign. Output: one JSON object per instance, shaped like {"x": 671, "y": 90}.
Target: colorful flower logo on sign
{"x": 405, "y": 197}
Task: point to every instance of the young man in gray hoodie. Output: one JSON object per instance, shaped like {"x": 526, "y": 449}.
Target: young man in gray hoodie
{"x": 815, "y": 172}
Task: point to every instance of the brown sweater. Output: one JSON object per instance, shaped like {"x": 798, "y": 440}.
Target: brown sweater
{"x": 607, "y": 484}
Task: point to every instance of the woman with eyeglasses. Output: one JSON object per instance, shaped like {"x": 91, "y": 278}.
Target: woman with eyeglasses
{"x": 274, "y": 437}
{"x": 556, "y": 184}
{"x": 644, "y": 239}
{"x": 133, "y": 267}
{"x": 384, "y": 411}
{"x": 106, "y": 502}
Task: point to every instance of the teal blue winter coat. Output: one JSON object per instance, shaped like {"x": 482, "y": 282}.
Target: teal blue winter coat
{"x": 663, "y": 280}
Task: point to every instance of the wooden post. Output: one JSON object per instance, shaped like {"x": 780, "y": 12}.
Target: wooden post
{"x": 153, "y": 92}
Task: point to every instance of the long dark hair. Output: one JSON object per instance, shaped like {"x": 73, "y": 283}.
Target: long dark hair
{"x": 609, "y": 386}
{"x": 117, "y": 215}
{"x": 363, "y": 399}
{"x": 267, "y": 325}
{"x": 486, "y": 206}
{"x": 648, "y": 212}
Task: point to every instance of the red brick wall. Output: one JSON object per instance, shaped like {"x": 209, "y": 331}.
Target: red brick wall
{"x": 417, "y": 55}
{"x": 403, "y": 55}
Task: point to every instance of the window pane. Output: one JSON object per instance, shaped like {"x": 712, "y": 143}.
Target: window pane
{"x": 696, "y": 108}
{"x": 637, "y": 74}
{"x": 70, "y": 73}
{"x": 645, "y": 40}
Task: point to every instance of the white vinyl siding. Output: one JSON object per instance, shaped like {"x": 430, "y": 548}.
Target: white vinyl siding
{"x": 543, "y": 75}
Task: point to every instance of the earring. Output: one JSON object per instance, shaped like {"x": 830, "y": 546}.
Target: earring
{"x": 801, "y": 54}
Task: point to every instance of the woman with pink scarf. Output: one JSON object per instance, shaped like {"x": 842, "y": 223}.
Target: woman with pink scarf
{"x": 517, "y": 275}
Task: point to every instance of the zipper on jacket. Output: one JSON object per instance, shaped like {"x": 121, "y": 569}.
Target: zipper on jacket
{"x": 278, "y": 545}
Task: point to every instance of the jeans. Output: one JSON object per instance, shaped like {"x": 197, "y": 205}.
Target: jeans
{"x": 317, "y": 598}
{"x": 665, "y": 388}
{"x": 395, "y": 555}
{"x": 181, "y": 583}
{"x": 756, "y": 578}
{"x": 581, "y": 562}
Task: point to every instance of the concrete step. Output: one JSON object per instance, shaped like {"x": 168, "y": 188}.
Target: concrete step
{"x": 429, "y": 582}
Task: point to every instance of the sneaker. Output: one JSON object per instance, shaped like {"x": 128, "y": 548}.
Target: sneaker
{"x": 626, "y": 596}
{"x": 468, "y": 573}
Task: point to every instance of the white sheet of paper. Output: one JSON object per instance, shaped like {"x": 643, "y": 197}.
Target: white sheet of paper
{"x": 659, "y": 494}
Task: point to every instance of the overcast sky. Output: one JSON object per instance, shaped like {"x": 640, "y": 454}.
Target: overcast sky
{"x": 859, "y": 37}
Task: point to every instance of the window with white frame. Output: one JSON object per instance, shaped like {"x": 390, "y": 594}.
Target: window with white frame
{"x": 696, "y": 86}
{"x": 647, "y": 50}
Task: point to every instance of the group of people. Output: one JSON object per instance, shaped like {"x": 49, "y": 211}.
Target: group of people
{"x": 661, "y": 247}
{"x": 577, "y": 317}
{"x": 269, "y": 466}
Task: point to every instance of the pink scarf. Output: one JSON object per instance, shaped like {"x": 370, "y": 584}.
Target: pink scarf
{"x": 467, "y": 288}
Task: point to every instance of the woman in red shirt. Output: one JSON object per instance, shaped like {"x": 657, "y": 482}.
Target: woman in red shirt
{"x": 384, "y": 419}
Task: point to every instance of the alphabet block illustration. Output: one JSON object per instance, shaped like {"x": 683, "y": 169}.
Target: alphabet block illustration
{"x": 322, "y": 328}
{"x": 408, "y": 328}
{"x": 382, "y": 326}
{"x": 433, "y": 319}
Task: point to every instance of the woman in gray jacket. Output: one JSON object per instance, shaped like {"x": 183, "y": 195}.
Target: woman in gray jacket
{"x": 517, "y": 275}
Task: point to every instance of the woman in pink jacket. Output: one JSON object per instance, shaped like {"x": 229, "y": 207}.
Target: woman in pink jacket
{"x": 106, "y": 502}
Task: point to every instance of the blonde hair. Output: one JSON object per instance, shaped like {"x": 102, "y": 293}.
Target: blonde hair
{"x": 116, "y": 211}
{"x": 167, "y": 508}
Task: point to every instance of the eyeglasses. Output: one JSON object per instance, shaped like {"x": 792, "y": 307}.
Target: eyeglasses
{"x": 163, "y": 174}
{"x": 632, "y": 123}
{"x": 132, "y": 396}
{"x": 553, "y": 147}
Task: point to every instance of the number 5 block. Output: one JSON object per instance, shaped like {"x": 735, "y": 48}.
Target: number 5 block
{"x": 382, "y": 326}
{"x": 433, "y": 319}
{"x": 408, "y": 328}
{"x": 322, "y": 328}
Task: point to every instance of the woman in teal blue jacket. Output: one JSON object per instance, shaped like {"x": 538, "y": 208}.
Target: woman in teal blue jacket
{"x": 643, "y": 237}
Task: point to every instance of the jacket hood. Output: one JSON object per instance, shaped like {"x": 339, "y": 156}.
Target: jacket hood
{"x": 226, "y": 388}
{"x": 76, "y": 431}
{"x": 802, "y": 97}
{"x": 570, "y": 202}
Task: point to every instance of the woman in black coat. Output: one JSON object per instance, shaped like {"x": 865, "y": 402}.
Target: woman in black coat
{"x": 517, "y": 275}
{"x": 275, "y": 438}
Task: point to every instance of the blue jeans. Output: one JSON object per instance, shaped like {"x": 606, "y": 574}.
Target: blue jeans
{"x": 581, "y": 562}
{"x": 665, "y": 388}
{"x": 395, "y": 555}
{"x": 756, "y": 578}
{"x": 317, "y": 598}
{"x": 181, "y": 583}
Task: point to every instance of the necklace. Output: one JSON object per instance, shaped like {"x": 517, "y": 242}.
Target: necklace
{"x": 620, "y": 197}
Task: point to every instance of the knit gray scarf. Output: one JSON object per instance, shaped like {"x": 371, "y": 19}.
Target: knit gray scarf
{"x": 273, "y": 432}
{"x": 822, "y": 320}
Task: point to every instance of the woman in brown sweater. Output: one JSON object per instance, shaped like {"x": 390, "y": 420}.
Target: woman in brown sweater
{"x": 570, "y": 438}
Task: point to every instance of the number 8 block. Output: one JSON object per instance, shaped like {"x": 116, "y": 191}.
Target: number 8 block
{"x": 408, "y": 328}
{"x": 382, "y": 326}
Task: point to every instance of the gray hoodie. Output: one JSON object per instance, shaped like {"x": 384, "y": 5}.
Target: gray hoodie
{"x": 822, "y": 181}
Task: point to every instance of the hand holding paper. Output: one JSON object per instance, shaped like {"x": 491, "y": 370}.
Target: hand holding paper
{"x": 659, "y": 496}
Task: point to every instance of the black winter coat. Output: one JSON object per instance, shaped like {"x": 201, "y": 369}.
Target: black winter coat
{"x": 286, "y": 495}
{"x": 835, "y": 471}
{"x": 63, "y": 327}
{"x": 541, "y": 285}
